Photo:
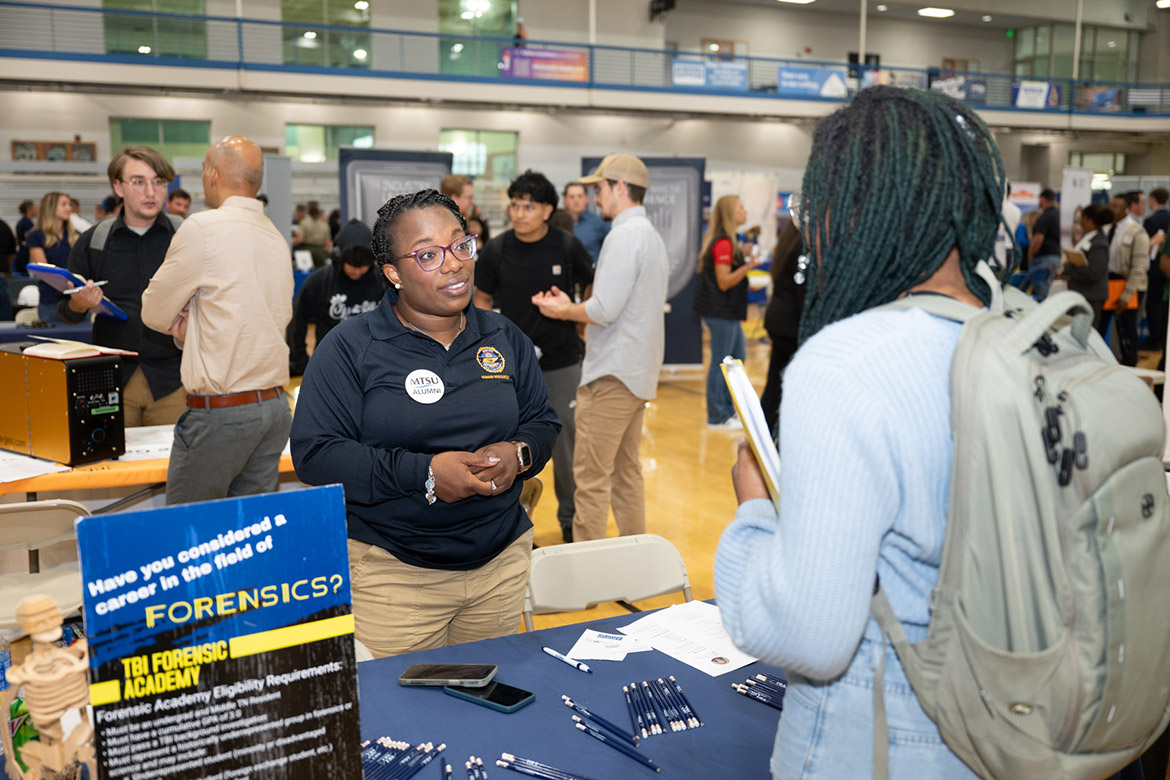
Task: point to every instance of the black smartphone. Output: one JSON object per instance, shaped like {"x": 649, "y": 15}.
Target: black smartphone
{"x": 466, "y": 675}
{"x": 497, "y": 695}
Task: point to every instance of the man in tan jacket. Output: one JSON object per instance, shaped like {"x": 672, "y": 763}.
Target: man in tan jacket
{"x": 225, "y": 291}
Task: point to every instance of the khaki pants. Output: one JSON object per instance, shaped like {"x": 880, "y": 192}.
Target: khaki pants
{"x": 606, "y": 465}
{"x": 399, "y": 608}
{"x": 139, "y": 406}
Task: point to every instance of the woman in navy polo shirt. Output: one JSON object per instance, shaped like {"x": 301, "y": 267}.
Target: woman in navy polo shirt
{"x": 427, "y": 410}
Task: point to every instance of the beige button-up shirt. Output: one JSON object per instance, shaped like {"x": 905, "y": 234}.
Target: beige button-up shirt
{"x": 232, "y": 266}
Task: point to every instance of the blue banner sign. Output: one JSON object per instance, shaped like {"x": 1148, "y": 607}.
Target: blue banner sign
{"x": 715, "y": 74}
{"x": 221, "y": 639}
{"x": 800, "y": 82}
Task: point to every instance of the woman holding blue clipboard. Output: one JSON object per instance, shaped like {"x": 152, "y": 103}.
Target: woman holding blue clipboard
{"x": 49, "y": 243}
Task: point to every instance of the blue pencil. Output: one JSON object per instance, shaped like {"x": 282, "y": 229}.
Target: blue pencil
{"x": 608, "y": 725}
{"x": 621, "y": 747}
{"x": 630, "y": 710}
{"x": 760, "y": 696}
{"x": 672, "y": 710}
{"x": 535, "y": 769}
{"x": 686, "y": 702}
{"x": 650, "y": 706}
{"x": 640, "y": 699}
{"x": 668, "y": 692}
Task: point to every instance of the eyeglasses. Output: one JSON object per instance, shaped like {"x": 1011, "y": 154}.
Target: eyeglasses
{"x": 431, "y": 258}
{"x": 140, "y": 184}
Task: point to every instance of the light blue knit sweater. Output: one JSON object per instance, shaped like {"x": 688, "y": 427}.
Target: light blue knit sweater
{"x": 866, "y": 451}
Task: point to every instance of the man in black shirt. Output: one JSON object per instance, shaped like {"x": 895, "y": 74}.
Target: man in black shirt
{"x": 348, "y": 286}
{"x": 126, "y": 251}
{"x": 531, "y": 258}
{"x": 1044, "y": 249}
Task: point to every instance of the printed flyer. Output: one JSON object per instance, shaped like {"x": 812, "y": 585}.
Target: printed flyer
{"x": 221, "y": 639}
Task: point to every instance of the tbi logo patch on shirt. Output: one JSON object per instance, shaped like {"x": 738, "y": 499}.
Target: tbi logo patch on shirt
{"x": 490, "y": 359}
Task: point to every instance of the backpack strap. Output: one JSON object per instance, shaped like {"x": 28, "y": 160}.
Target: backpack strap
{"x": 891, "y": 627}
{"x": 1049, "y": 313}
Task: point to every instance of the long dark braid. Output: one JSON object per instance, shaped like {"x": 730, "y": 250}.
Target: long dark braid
{"x": 895, "y": 181}
{"x": 383, "y": 241}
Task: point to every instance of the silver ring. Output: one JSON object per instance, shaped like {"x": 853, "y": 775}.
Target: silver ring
{"x": 494, "y": 488}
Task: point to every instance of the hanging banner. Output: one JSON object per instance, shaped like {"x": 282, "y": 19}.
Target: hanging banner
{"x": 794, "y": 82}
{"x": 966, "y": 88}
{"x": 674, "y": 204}
{"x": 716, "y": 74}
{"x": 1076, "y": 192}
{"x": 370, "y": 177}
{"x": 1035, "y": 94}
{"x": 544, "y": 64}
{"x": 221, "y": 639}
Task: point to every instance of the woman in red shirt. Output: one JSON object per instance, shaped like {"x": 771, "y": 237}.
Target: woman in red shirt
{"x": 721, "y": 300}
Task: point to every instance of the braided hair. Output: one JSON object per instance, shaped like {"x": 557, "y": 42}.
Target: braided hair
{"x": 907, "y": 176}
{"x": 383, "y": 240}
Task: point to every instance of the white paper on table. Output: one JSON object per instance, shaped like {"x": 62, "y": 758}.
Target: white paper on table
{"x": 148, "y": 442}
{"x": 598, "y": 646}
{"x": 14, "y": 466}
{"x": 692, "y": 633}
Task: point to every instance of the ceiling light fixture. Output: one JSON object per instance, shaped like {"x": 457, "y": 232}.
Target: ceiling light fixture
{"x": 1163, "y": 3}
{"x": 986, "y": 18}
{"x": 797, "y": 2}
{"x": 360, "y": 54}
{"x": 936, "y": 13}
{"x": 361, "y": 5}
{"x": 881, "y": 9}
{"x": 457, "y": 48}
{"x": 144, "y": 50}
{"x": 311, "y": 35}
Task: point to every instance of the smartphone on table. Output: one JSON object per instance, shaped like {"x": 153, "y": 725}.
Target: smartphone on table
{"x": 496, "y": 695}
{"x": 464, "y": 675}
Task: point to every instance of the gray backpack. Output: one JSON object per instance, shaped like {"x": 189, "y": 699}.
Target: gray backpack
{"x": 1048, "y": 652}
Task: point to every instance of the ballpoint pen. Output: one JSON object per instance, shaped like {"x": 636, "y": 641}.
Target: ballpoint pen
{"x": 566, "y": 659}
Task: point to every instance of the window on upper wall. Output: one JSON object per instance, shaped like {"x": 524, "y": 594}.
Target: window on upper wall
{"x": 171, "y": 137}
{"x": 489, "y": 154}
{"x": 318, "y": 143}
{"x": 161, "y": 30}
{"x": 327, "y": 33}
{"x": 1107, "y": 53}
{"x": 462, "y": 23}
{"x": 1100, "y": 163}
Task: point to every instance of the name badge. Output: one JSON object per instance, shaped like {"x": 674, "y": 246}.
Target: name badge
{"x": 424, "y": 386}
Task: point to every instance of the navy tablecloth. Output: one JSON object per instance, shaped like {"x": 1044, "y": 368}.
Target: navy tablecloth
{"x": 736, "y": 741}
{"x": 10, "y": 331}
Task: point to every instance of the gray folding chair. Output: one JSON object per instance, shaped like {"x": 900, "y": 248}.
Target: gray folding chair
{"x": 32, "y": 526}
{"x": 573, "y": 577}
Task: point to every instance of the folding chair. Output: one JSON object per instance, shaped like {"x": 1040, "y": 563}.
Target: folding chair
{"x": 573, "y": 577}
{"x": 32, "y": 526}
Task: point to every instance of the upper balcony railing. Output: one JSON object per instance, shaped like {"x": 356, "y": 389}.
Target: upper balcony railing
{"x": 33, "y": 30}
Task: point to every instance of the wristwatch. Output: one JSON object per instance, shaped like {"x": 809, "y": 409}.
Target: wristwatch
{"x": 523, "y": 455}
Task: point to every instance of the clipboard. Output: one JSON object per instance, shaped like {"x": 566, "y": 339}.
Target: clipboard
{"x": 1075, "y": 257}
{"x": 751, "y": 414}
{"x": 59, "y": 278}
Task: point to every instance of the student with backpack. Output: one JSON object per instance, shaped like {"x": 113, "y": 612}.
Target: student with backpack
{"x": 874, "y": 505}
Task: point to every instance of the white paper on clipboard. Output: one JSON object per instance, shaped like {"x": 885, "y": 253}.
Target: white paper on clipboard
{"x": 751, "y": 414}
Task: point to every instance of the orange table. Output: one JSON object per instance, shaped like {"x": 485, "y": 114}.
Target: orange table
{"x": 105, "y": 474}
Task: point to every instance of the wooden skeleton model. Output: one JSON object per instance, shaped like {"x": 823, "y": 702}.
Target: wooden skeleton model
{"x": 55, "y": 681}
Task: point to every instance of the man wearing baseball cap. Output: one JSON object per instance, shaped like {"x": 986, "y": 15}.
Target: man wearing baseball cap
{"x": 623, "y": 352}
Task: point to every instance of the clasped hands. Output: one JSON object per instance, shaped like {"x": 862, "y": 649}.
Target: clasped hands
{"x": 460, "y": 475}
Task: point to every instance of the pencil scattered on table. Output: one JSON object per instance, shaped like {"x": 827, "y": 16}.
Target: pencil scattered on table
{"x": 618, "y": 745}
{"x": 475, "y": 769}
{"x": 654, "y": 706}
{"x": 764, "y": 688}
{"x": 388, "y": 759}
{"x": 608, "y": 725}
{"x": 526, "y": 766}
